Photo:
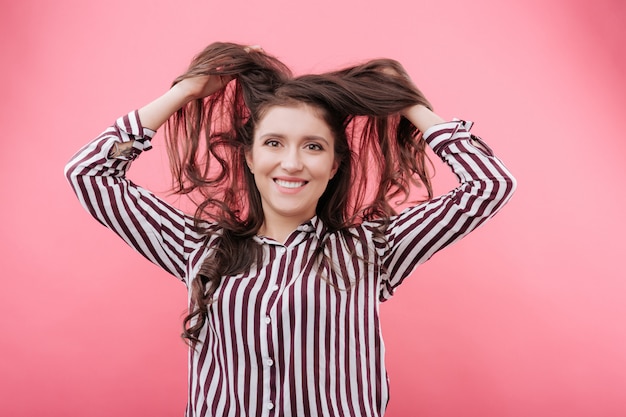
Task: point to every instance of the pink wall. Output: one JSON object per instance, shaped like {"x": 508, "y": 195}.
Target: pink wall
{"x": 523, "y": 318}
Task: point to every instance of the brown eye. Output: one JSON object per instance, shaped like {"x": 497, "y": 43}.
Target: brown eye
{"x": 271, "y": 143}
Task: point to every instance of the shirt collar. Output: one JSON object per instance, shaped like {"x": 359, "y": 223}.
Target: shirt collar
{"x": 314, "y": 225}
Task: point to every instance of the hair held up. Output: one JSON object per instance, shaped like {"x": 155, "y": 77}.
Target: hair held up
{"x": 380, "y": 153}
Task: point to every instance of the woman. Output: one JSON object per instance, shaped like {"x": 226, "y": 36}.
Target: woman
{"x": 294, "y": 242}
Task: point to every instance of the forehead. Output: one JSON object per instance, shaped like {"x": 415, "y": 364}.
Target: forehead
{"x": 293, "y": 120}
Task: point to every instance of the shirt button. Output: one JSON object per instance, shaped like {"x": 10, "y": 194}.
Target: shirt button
{"x": 275, "y": 288}
{"x": 270, "y": 362}
{"x": 268, "y": 319}
{"x": 283, "y": 250}
{"x": 270, "y": 405}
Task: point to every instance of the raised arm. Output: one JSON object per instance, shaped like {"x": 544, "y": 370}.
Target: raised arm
{"x": 97, "y": 174}
{"x": 486, "y": 185}
{"x": 157, "y": 112}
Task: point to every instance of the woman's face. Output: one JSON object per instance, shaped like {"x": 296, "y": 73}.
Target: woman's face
{"x": 292, "y": 159}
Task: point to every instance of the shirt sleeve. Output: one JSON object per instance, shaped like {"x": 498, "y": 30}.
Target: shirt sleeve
{"x": 161, "y": 233}
{"x": 417, "y": 233}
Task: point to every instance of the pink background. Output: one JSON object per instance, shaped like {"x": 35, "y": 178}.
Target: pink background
{"x": 523, "y": 318}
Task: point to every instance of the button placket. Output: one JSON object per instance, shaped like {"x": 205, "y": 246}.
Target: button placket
{"x": 272, "y": 293}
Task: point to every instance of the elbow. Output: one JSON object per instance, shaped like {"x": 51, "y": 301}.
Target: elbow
{"x": 70, "y": 171}
{"x": 495, "y": 193}
{"x": 503, "y": 189}
{"x": 67, "y": 171}
{"x": 73, "y": 171}
{"x": 510, "y": 185}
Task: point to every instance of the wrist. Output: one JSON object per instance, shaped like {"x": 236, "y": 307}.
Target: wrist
{"x": 155, "y": 113}
{"x": 180, "y": 94}
{"x": 422, "y": 117}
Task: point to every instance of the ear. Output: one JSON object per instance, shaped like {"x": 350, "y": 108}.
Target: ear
{"x": 248, "y": 155}
{"x": 334, "y": 169}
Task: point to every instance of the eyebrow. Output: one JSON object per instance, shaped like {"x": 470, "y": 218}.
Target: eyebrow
{"x": 308, "y": 137}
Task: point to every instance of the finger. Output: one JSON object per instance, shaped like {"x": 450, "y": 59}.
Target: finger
{"x": 225, "y": 79}
{"x": 255, "y": 48}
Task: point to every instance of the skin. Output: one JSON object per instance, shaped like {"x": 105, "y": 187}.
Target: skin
{"x": 292, "y": 159}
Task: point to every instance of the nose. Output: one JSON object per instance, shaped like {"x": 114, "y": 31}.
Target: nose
{"x": 292, "y": 160}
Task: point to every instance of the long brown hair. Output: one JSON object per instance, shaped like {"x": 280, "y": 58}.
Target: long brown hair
{"x": 381, "y": 154}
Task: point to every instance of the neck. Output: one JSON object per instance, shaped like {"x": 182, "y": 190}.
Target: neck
{"x": 280, "y": 230}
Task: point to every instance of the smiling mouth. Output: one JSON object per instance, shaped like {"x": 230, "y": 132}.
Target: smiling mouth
{"x": 290, "y": 184}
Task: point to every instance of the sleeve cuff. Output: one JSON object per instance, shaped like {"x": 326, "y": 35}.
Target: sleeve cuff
{"x": 443, "y": 134}
{"x": 130, "y": 128}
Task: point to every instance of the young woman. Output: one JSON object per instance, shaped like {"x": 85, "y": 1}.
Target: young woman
{"x": 294, "y": 242}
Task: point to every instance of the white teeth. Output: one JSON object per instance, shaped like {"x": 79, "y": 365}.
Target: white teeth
{"x": 289, "y": 184}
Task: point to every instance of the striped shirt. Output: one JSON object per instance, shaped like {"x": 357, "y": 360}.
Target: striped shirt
{"x": 289, "y": 337}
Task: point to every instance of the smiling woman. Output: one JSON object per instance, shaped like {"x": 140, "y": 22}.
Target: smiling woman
{"x": 292, "y": 159}
{"x": 286, "y": 259}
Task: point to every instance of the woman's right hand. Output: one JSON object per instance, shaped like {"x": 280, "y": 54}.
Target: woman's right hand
{"x": 202, "y": 86}
{"x": 185, "y": 89}
{"x": 155, "y": 113}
